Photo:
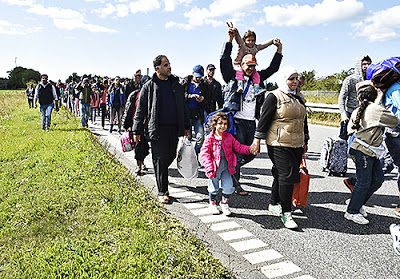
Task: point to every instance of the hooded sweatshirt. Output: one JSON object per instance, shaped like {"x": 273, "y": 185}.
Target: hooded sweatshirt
{"x": 348, "y": 94}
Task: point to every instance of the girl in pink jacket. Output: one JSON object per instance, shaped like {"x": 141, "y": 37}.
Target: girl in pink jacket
{"x": 219, "y": 161}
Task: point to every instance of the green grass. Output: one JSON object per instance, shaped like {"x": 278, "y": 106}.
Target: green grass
{"x": 322, "y": 99}
{"x": 69, "y": 209}
{"x": 323, "y": 118}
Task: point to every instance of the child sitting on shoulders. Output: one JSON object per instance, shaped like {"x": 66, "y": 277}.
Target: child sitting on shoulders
{"x": 219, "y": 159}
{"x": 247, "y": 45}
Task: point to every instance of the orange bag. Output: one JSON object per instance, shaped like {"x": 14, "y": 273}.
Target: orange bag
{"x": 300, "y": 190}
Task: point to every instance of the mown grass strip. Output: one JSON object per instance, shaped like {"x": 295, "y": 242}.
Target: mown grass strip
{"x": 68, "y": 209}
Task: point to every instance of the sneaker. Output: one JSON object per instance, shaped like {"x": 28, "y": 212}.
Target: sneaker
{"x": 213, "y": 208}
{"x": 395, "y": 232}
{"x": 356, "y": 218}
{"x": 225, "y": 209}
{"x": 350, "y": 183}
{"x": 288, "y": 221}
{"x": 138, "y": 170}
{"x": 397, "y": 212}
{"x": 240, "y": 87}
{"x": 275, "y": 209}
{"x": 363, "y": 212}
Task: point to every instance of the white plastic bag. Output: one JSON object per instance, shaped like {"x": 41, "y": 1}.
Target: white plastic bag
{"x": 187, "y": 159}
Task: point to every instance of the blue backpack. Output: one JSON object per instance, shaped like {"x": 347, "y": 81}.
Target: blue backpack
{"x": 208, "y": 122}
{"x": 375, "y": 69}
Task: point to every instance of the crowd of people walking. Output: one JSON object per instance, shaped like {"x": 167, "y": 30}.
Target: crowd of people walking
{"x": 157, "y": 110}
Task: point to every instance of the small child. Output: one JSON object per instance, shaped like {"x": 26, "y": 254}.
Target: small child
{"x": 219, "y": 161}
{"x": 247, "y": 45}
{"x": 368, "y": 121}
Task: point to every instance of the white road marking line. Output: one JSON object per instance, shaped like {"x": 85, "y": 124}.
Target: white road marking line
{"x": 247, "y": 245}
{"x": 176, "y": 190}
{"x": 305, "y": 277}
{"x": 227, "y": 236}
{"x": 184, "y": 194}
{"x": 262, "y": 256}
{"x": 225, "y": 226}
{"x": 280, "y": 269}
{"x": 202, "y": 211}
{"x": 213, "y": 218}
{"x": 193, "y": 205}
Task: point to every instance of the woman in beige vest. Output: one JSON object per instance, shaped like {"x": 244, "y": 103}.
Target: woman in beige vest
{"x": 284, "y": 127}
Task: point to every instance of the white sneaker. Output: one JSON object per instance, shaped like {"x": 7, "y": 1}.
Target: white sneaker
{"x": 288, "y": 221}
{"x": 275, "y": 209}
{"x": 362, "y": 210}
{"x": 213, "y": 208}
{"x": 395, "y": 232}
{"x": 225, "y": 209}
{"x": 356, "y": 218}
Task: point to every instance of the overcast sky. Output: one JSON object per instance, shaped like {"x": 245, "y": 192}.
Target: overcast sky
{"x": 117, "y": 37}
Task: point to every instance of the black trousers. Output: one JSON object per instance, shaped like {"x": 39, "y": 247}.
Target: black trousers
{"x": 103, "y": 114}
{"x": 142, "y": 149}
{"x": 285, "y": 170}
{"x": 163, "y": 152}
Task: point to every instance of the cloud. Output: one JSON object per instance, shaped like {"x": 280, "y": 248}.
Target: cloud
{"x": 62, "y": 18}
{"x": 320, "y": 13}
{"x": 143, "y": 6}
{"x": 16, "y": 29}
{"x": 170, "y": 5}
{"x": 380, "y": 26}
{"x": 109, "y": 9}
{"x": 212, "y": 15}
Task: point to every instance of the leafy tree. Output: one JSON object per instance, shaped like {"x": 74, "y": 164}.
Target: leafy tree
{"x": 19, "y": 76}
{"x": 73, "y": 76}
{"x": 34, "y": 82}
{"x": 310, "y": 80}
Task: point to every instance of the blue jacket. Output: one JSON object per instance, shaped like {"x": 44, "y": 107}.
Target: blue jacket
{"x": 111, "y": 95}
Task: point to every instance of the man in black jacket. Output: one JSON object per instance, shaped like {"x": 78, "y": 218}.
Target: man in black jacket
{"x": 247, "y": 104}
{"x": 162, "y": 116}
{"x": 215, "y": 89}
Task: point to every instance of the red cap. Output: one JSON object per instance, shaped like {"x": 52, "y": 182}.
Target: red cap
{"x": 249, "y": 59}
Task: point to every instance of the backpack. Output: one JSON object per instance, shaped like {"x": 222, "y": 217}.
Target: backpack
{"x": 127, "y": 141}
{"x": 383, "y": 74}
{"x": 334, "y": 156}
{"x": 208, "y": 122}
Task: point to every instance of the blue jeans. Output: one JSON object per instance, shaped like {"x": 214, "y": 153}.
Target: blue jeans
{"x": 245, "y": 130}
{"x": 93, "y": 114}
{"x": 45, "y": 111}
{"x": 224, "y": 176}
{"x": 392, "y": 141}
{"x": 199, "y": 131}
{"x": 369, "y": 179}
{"x": 85, "y": 113}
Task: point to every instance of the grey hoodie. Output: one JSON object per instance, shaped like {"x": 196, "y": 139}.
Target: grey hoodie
{"x": 348, "y": 94}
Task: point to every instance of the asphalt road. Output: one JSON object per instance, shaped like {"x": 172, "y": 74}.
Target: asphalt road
{"x": 253, "y": 243}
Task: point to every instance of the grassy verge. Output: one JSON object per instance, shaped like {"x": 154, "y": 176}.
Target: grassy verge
{"x": 323, "y": 118}
{"x": 69, "y": 209}
{"x": 9, "y": 100}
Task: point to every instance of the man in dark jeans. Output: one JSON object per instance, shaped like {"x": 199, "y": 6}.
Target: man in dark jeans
{"x": 162, "y": 116}
{"x": 247, "y": 104}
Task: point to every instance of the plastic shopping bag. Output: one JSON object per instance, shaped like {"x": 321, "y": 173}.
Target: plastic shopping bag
{"x": 187, "y": 163}
{"x": 300, "y": 190}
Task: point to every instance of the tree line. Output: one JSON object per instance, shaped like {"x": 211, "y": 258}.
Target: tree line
{"x": 21, "y": 77}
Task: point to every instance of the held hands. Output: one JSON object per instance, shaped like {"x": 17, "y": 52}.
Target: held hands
{"x": 136, "y": 138}
{"x": 255, "y": 147}
{"x": 277, "y": 42}
{"x": 199, "y": 98}
{"x": 232, "y": 31}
